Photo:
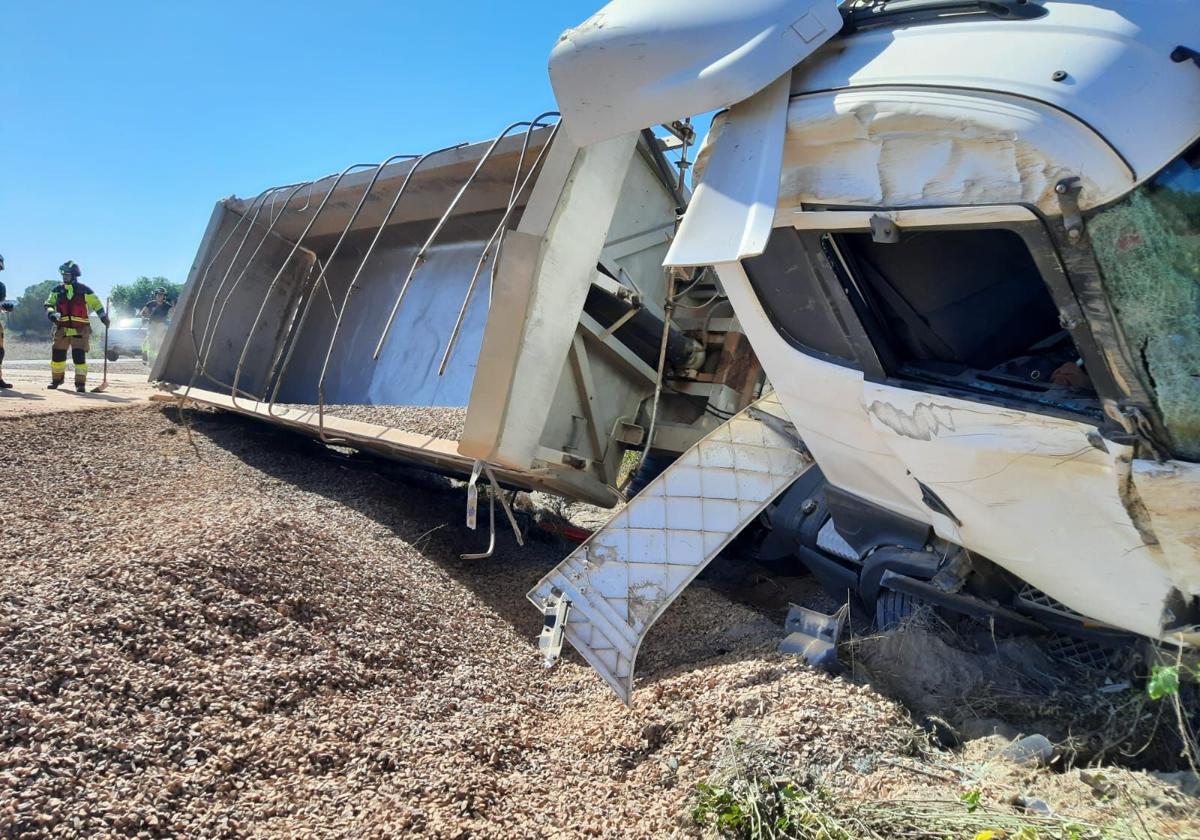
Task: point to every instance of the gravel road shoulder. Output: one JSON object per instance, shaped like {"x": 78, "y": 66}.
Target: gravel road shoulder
{"x": 211, "y": 631}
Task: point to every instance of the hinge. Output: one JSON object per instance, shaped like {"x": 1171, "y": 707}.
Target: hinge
{"x": 1141, "y": 426}
{"x": 554, "y": 622}
{"x": 884, "y": 230}
{"x": 1068, "y": 191}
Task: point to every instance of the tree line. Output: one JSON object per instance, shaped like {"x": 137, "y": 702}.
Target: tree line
{"x": 29, "y": 314}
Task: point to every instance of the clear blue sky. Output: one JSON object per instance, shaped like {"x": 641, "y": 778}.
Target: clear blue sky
{"x": 121, "y": 123}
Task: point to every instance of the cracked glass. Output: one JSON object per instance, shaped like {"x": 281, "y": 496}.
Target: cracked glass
{"x": 1148, "y": 248}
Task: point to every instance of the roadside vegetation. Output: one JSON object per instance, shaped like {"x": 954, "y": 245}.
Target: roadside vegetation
{"x": 981, "y": 790}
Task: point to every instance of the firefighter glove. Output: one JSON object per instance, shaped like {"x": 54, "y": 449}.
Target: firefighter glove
{"x": 104, "y": 318}
{"x": 7, "y": 305}
{"x": 52, "y": 315}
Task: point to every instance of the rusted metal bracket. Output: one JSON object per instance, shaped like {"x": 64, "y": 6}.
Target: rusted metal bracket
{"x": 1068, "y": 190}
{"x": 554, "y": 621}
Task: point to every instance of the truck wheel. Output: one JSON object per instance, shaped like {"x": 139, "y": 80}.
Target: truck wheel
{"x": 892, "y": 608}
{"x": 112, "y": 355}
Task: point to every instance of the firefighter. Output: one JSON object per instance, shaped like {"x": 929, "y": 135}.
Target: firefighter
{"x": 156, "y": 312}
{"x": 6, "y": 305}
{"x": 67, "y": 308}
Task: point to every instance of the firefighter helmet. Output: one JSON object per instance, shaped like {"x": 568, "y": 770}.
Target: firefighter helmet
{"x": 70, "y": 269}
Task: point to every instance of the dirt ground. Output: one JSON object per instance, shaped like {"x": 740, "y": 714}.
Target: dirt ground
{"x": 221, "y": 630}
{"x": 29, "y": 396}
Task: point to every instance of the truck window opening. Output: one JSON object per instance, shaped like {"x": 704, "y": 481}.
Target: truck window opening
{"x": 1148, "y": 248}
{"x": 968, "y": 305}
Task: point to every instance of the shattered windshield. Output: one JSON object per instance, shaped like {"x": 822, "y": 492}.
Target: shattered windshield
{"x": 1148, "y": 247}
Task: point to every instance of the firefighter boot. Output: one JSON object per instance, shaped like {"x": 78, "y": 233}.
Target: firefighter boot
{"x": 79, "y": 360}
{"x": 58, "y": 367}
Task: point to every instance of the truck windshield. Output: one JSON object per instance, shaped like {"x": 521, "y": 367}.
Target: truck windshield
{"x": 1148, "y": 247}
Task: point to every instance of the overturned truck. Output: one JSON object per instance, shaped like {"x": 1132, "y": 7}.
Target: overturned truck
{"x": 499, "y": 303}
{"x": 975, "y": 292}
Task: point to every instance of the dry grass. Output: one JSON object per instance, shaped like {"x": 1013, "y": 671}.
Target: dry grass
{"x": 24, "y": 348}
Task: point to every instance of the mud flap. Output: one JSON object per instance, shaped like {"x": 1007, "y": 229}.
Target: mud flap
{"x": 620, "y": 581}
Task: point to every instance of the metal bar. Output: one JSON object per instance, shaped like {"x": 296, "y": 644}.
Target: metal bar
{"x": 203, "y": 279}
{"x": 668, "y": 311}
{"x": 537, "y": 122}
{"x": 492, "y": 491}
{"x": 288, "y": 344}
{"x": 487, "y": 248}
{"x": 515, "y": 193}
{"x": 437, "y": 228}
{"x": 620, "y": 322}
{"x": 512, "y": 520}
{"x": 210, "y": 327}
{"x": 362, "y": 201}
{"x": 419, "y": 159}
{"x": 958, "y": 602}
{"x": 232, "y": 262}
{"x": 619, "y": 351}
{"x": 201, "y": 366}
{"x": 237, "y": 374}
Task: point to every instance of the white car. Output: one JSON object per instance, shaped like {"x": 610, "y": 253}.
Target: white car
{"x": 126, "y": 337}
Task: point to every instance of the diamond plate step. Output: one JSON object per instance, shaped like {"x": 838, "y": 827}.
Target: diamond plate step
{"x": 621, "y": 580}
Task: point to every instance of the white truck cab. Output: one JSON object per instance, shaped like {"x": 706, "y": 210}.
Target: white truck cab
{"x": 963, "y": 239}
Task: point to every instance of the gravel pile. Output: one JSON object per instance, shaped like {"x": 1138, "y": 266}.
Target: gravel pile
{"x": 224, "y": 635}
{"x": 434, "y": 421}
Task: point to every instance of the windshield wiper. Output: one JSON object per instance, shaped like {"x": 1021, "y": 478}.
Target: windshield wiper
{"x": 915, "y": 11}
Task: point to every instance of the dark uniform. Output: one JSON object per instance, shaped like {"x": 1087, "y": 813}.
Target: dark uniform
{"x": 156, "y": 312}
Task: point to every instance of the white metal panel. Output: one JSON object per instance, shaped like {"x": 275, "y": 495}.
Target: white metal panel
{"x": 1171, "y": 494}
{"x": 732, "y": 210}
{"x": 626, "y": 575}
{"x": 1120, "y": 78}
{"x": 637, "y": 63}
{"x": 1034, "y": 495}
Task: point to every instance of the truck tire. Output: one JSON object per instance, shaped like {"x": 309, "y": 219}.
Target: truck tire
{"x": 892, "y": 608}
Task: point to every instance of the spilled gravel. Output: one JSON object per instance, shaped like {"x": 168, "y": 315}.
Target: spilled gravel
{"x": 434, "y": 421}
{"x": 228, "y": 636}
{"x": 222, "y": 632}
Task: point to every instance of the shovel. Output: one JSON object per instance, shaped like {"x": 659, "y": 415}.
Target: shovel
{"x": 103, "y": 386}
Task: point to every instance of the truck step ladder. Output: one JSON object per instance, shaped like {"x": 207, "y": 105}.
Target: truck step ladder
{"x": 607, "y": 594}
